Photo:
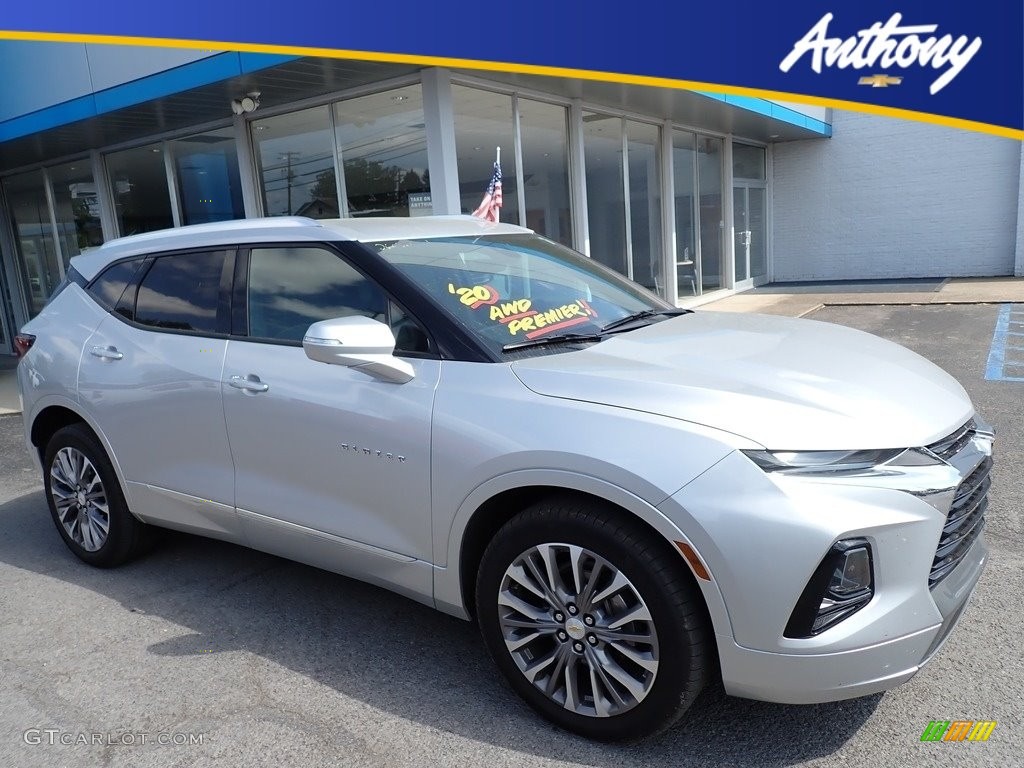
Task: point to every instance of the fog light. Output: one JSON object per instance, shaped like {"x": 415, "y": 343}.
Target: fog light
{"x": 854, "y": 575}
{"x": 841, "y": 585}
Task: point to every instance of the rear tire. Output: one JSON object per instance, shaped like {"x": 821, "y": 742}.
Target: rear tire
{"x": 560, "y": 634}
{"x": 86, "y": 501}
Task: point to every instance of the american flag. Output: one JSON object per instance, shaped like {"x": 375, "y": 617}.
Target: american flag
{"x": 491, "y": 204}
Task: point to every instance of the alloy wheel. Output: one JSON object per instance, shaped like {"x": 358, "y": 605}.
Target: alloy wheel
{"x": 79, "y": 498}
{"x": 578, "y": 629}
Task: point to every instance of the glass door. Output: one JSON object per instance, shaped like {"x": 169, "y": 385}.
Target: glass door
{"x": 750, "y": 213}
{"x": 742, "y": 234}
{"x": 750, "y": 228}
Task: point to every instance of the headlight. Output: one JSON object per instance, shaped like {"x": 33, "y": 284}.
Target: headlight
{"x": 806, "y": 462}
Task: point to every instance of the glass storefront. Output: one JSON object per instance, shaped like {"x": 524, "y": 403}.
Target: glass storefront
{"x": 41, "y": 269}
{"x": 378, "y": 144}
{"x": 209, "y": 187}
{"x": 382, "y": 143}
{"x": 379, "y": 141}
{"x": 484, "y": 122}
{"x": 625, "y": 234}
{"x": 296, "y": 164}
{"x": 606, "y": 204}
{"x": 710, "y": 214}
{"x": 644, "y": 168}
{"x": 684, "y": 178}
{"x": 544, "y": 138}
{"x": 5, "y": 304}
{"x": 748, "y": 162}
{"x": 76, "y": 208}
{"x": 138, "y": 182}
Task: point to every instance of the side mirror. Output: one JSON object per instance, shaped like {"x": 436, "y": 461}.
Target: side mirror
{"x": 357, "y": 342}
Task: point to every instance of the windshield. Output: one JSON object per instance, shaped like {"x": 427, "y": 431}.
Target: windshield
{"x": 517, "y": 287}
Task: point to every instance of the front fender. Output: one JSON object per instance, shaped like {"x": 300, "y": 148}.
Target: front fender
{"x": 448, "y": 581}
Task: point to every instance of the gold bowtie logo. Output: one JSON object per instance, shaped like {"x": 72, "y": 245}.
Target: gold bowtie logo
{"x": 879, "y": 81}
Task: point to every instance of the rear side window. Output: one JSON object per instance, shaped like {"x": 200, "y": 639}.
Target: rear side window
{"x": 182, "y": 292}
{"x": 108, "y": 288}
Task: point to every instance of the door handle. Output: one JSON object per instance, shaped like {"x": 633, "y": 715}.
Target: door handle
{"x": 250, "y": 383}
{"x": 106, "y": 353}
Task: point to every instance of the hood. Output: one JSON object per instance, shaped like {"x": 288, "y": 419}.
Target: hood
{"x": 786, "y": 384}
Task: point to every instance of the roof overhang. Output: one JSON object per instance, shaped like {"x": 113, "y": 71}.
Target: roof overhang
{"x": 162, "y": 104}
{"x": 142, "y": 109}
{"x": 743, "y": 116}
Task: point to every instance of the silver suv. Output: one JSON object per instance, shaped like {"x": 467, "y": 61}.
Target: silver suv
{"x": 629, "y": 498}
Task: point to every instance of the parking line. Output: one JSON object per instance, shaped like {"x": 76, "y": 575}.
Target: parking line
{"x": 995, "y": 370}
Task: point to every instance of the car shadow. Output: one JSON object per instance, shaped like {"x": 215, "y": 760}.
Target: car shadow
{"x": 394, "y": 654}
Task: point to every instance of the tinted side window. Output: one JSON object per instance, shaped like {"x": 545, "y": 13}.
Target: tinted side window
{"x": 292, "y": 288}
{"x": 109, "y": 286}
{"x": 181, "y": 292}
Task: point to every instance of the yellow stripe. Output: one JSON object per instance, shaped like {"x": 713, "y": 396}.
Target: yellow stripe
{"x": 521, "y": 69}
{"x": 982, "y": 730}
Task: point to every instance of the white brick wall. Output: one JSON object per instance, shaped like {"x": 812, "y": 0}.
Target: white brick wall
{"x": 888, "y": 198}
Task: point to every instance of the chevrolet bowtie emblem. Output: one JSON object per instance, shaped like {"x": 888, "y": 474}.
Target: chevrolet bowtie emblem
{"x": 879, "y": 81}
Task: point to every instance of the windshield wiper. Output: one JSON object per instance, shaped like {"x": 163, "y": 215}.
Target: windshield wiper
{"x": 641, "y": 316}
{"x": 565, "y": 338}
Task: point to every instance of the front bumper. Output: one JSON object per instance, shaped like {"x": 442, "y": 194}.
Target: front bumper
{"x": 762, "y": 535}
{"x": 814, "y": 678}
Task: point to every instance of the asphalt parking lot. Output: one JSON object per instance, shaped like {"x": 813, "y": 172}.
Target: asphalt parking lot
{"x": 258, "y": 661}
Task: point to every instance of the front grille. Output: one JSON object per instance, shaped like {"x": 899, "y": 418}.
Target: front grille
{"x": 950, "y": 446}
{"x": 964, "y": 522}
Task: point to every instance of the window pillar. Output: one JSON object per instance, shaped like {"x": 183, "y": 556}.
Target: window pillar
{"x": 578, "y": 178}
{"x": 172, "y": 184}
{"x": 58, "y": 246}
{"x": 108, "y": 217}
{"x": 252, "y": 200}
{"x": 729, "y": 239}
{"x": 668, "y": 215}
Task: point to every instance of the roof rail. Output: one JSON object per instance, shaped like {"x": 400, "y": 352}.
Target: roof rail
{"x": 272, "y": 222}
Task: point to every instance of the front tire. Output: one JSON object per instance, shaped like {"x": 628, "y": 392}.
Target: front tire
{"x": 593, "y": 620}
{"x": 86, "y": 501}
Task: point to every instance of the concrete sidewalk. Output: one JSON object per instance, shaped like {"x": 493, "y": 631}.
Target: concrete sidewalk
{"x": 980, "y": 290}
{"x": 973, "y": 290}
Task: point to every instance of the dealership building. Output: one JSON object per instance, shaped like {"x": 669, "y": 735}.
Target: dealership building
{"x": 694, "y": 194}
